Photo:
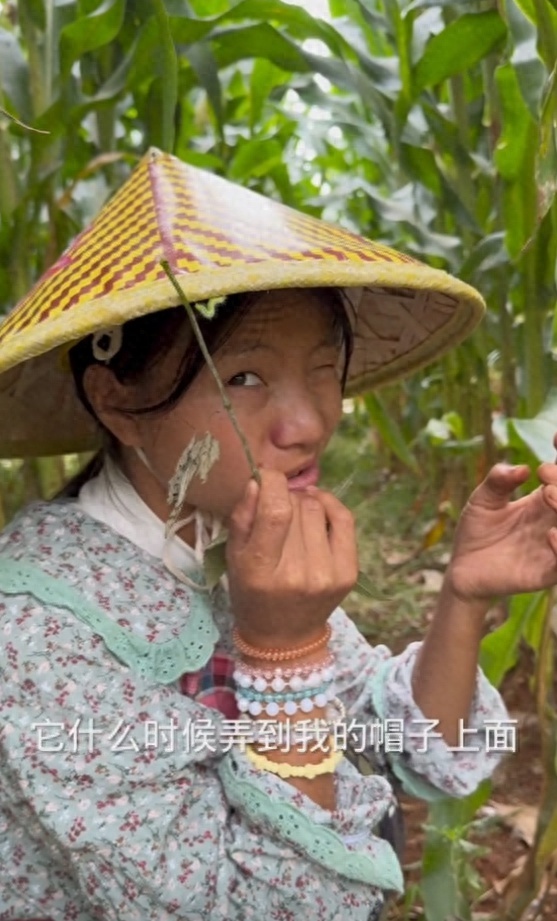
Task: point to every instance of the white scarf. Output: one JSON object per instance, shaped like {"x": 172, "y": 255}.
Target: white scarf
{"x": 111, "y": 498}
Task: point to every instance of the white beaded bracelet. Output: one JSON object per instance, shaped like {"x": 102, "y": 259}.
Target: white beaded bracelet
{"x": 265, "y": 730}
{"x": 278, "y": 683}
{"x": 281, "y": 671}
{"x": 289, "y": 707}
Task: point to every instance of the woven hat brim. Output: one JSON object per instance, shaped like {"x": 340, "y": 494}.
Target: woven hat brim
{"x": 406, "y": 316}
{"x": 219, "y": 239}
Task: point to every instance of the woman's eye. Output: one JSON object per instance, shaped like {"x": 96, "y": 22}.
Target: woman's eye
{"x": 331, "y": 367}
{"x": 245, "y": 379}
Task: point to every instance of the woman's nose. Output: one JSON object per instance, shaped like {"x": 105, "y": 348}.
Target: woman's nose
{"x": 299, "y": 420}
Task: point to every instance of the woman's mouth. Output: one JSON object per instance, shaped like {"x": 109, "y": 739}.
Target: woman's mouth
{"x": 307, "y": 476}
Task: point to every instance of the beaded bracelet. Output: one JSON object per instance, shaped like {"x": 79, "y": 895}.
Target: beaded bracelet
{"x": 313, "y": 677}
{"x": 280, "y": 655}
{"x": 281, "y": 696}
{"x": 336, "y": 713}
{"x": 278, "y": 733}
{"x": 284, "y": 769}
{"x": 269, "y": 674}
{"x": 290, "y": 707}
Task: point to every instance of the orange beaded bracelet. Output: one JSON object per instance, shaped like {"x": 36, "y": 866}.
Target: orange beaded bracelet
{"x": 280, "y": 655}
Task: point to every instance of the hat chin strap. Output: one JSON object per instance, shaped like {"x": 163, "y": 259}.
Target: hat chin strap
{"x": 143, "y": 457}
{"x": 207, "y": 529}
{"x": 204, "y": 535}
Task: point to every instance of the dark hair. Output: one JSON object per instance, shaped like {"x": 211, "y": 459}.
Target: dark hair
{"x": 147, "y": 339}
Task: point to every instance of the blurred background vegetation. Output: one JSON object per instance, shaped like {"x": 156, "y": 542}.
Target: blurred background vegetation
{"x": 428, "y": 124}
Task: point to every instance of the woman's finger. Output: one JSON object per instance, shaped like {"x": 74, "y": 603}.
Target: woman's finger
{"x": 316, "y": 547}
{"x": 341, "y": 534}
{"x": 552, "y": 540}
{"x": 243, "y": 516}
{"x": 547, "y": 474}
{"x": 272, "y": 521}
{"x": 549, "y": 494}
{"x": 496, "y": 490}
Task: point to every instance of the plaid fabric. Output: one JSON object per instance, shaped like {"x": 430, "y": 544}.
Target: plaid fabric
{"x": 213, "y": 685}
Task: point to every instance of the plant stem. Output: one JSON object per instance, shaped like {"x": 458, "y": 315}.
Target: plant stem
{"x": 539, "y": 857}
{"x": 8, "y": 178}
{"x": 168, "y": 77}
{"x": 207, "y": 356}
{"x": 547, "y": 33}
{"x": 38, "y": 85}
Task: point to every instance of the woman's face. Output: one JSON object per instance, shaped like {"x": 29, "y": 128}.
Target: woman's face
{"x": 281, "y": 371}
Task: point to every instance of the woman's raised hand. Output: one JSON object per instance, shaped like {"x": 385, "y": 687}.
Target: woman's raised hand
{"x": 504, "y": 547}
{"x": 291, "y": 558}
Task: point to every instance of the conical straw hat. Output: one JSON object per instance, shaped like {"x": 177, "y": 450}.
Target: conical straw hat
{"x": 219, "y": 239}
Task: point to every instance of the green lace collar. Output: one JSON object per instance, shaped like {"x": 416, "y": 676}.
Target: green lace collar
{"x": 163, "y": 662}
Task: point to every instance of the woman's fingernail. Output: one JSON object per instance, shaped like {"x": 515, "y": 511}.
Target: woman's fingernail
{"x": 253, "y": 487}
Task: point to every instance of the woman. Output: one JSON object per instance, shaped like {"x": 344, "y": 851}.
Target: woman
{"x": 125, "y": 790}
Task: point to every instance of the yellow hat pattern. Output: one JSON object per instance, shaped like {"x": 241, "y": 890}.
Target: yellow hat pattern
{"x": 219, "y": 239}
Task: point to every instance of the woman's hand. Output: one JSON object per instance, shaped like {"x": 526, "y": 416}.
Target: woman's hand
{"x": 291, "y": 558}
{"x": 503, "y": 547}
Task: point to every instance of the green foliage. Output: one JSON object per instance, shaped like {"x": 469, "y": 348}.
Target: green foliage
{"x": 500, "y": 649}
{"x": 429, "y": 124}
{"x": 536, "y": 434}
{"x": 462, "y": 45}
{"x": 378, "y": 415}
{"x": 450, "y": 884}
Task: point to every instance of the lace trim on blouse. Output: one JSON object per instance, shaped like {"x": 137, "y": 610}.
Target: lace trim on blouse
{"x": 159, "y": 662}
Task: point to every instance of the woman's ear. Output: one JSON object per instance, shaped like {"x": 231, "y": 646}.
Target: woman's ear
{"x": 106, "y": 395}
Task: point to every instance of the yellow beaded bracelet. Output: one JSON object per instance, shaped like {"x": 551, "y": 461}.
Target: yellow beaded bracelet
{"x": 284, "y": 769}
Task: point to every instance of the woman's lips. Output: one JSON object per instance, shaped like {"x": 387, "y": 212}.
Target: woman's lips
{"x": 308, "y": 477}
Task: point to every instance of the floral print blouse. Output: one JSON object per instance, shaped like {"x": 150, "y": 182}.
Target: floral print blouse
{"x": 124, "y": 799}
